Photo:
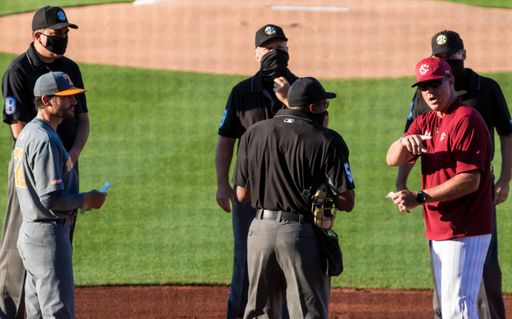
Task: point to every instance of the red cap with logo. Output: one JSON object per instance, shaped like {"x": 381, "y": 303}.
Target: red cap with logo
{"x": 431, "y": 69}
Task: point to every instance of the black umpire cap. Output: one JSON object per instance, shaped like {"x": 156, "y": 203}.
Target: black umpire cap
{"x": 51, "y": 18}
{"x": 268, "y": 32}
{"x": 306, "y": 91}
{"x": 446, "y": 42}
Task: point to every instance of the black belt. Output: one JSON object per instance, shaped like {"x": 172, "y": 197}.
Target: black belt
{"x": 274, "y": 214}
{"x": 61, "y": 221}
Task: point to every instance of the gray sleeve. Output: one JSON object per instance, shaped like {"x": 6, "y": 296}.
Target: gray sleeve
{"x": 47, "y": 163}
{"x": 62, "y": 201}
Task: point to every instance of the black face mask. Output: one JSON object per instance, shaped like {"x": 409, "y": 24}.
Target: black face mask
{"x": 56, "y": 44}
{"x": 457, "y": 66}
{"x": 319, "y": 117}
{"x": 274, "y": 64}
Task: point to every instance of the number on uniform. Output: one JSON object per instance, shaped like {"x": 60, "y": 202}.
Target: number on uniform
{"x": 10, "y": 105}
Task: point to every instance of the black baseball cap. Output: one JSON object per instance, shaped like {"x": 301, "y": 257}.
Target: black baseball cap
{"x": 268, "y": 32}
{"x": 51, "y": 18}
{"x": 305, "y": 91}
{"x": 446, "y": 42}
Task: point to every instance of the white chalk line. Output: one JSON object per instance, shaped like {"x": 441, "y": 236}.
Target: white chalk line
{"x": 318, "y": 9}
{"x": 143, "y": 2}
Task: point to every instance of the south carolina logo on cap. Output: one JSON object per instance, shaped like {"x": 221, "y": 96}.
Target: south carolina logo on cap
{"x": 424, "y": 69}
{"x": 61, "y": 16}
{"x": 441, "y": 39}
{"x": 270, "y": 30}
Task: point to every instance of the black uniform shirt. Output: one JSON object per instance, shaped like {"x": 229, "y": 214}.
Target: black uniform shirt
{"x": 249, "y": 103}
{"x": 280, "y": 157}
{"x": 478, "y": 92}
{"x": 18, "y": 91}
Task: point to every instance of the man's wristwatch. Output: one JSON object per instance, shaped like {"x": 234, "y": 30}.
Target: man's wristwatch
{"x": 421, "y": 198}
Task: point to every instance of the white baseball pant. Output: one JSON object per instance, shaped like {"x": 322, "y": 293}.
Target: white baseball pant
{"x": 458, "y": 266}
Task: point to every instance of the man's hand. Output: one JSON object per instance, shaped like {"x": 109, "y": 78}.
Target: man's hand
{"x": 405, "y": 200}
{"x": 281, "y": 87}
{"x": 225, "y": 194}
{"x": 414, "y": 143}
{"x": 501, "y": 191}
{"x": 94, "y": 199}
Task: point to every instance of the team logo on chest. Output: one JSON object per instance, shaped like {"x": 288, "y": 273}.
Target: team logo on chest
{"x": 443, "y": 136}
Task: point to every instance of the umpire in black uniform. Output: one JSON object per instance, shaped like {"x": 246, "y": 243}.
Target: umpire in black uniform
{"x": 252, "y": 100}
{"x": 278, "y": 159}
{"x": 484, "y": 95}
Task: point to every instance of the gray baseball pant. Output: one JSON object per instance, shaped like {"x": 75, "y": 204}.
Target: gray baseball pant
{"x": 46, "y": 252}
{"x": 12, "y": 272}
{"x": 284, "y": 261}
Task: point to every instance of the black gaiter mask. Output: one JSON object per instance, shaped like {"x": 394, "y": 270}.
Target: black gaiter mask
{"x": 274, "y": 64}
{"x": 319, "y": 117}
{"x": 457, "y": 66}
{"x": 56, "y": 44}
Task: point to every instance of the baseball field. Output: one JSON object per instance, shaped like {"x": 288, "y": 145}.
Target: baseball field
{"x": 158, "y": 76}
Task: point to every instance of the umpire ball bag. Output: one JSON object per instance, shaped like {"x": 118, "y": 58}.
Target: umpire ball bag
{"x": 323, "y": 208}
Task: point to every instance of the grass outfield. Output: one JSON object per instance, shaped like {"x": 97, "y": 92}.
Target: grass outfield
{"x": 20, "y": 6}
{"x": 485, "y": 3}
{"x": 153, "y": 137}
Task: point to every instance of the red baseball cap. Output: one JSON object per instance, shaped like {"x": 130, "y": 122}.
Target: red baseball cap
{"x": 431, "y": 69}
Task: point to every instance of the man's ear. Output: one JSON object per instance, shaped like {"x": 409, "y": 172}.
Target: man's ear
{"x": 37, "y": 35}
{"x": 451, "y": 80}
{"x": 312, "y": 108}
{"x": 46, "y": 100}
{"x": 463, "y": 53}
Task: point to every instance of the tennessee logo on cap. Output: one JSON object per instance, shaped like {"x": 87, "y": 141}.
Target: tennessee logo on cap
{"x": 68, "y": 78}
{"x": 61, "y": 15}
{"x": 441, "y": 39}
{"x": 270, "y": 30}
{"x": 424, "y": 69}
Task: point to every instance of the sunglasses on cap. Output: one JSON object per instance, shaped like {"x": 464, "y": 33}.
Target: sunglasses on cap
{"x": 423, "y": 86}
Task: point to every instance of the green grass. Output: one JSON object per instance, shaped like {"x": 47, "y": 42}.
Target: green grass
{"x": 485, "y": 3}
{"x": 20, "y": 6}
{"x": 153, "y": 137}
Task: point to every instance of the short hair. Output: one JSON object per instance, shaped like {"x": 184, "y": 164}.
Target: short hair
{"x": 33, "y": 32}
{"x": 38, "y": 102}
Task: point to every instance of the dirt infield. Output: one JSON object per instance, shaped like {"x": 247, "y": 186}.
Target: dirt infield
{"x": 210, "y": 302}
{"x": 374, "y": 38}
